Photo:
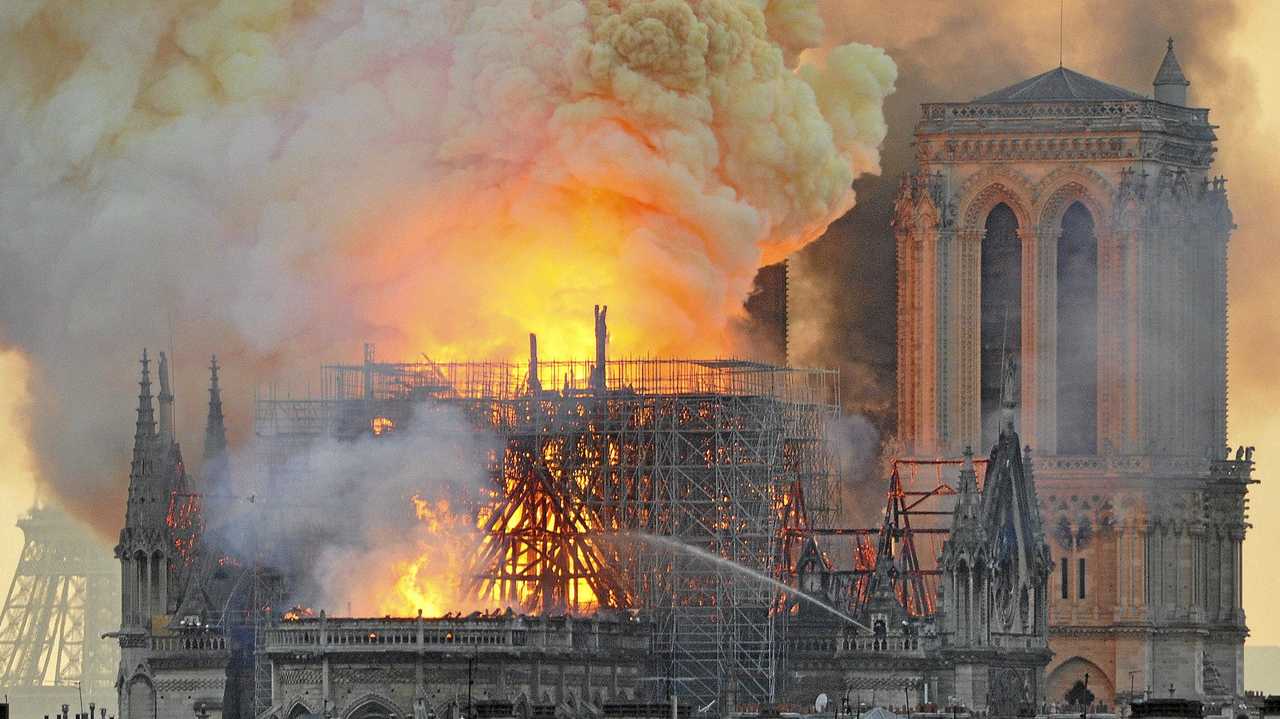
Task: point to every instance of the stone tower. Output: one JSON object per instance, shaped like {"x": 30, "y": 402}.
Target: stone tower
{"x": 156, "y": 552}
{"x": 1075, "y": 226}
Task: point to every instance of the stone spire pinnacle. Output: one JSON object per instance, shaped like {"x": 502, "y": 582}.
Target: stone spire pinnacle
{"x": 215, "y": 431}
{"x": 145, "y": 430}
{"x": 967, "y": 532}
{"x": 1170, "y": 84}
{"x": 165, "y": 401}
{"x": 968, "y": 476}
{"x": 1008, "y": 398}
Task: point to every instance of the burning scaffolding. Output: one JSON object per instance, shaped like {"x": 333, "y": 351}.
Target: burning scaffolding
{"x": 597, "y": 459}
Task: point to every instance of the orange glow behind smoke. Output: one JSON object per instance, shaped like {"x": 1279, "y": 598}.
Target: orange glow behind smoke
{"x": 572, "y": 251}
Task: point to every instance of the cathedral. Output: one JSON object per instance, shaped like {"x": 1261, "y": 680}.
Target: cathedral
{"x": 1076, "y": 226}
{"x": 1061, "y": 309}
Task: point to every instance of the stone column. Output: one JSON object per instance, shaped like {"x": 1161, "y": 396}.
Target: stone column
{"x": 1046, "y": 321}
{"x": 1237, "y": 536}
{"x": 1226, "y": 567}
{"x": 966, "y": 345}
{"x": 126, "y": 593}
{"x": 1028, "y": 373}
{"x": 144, "y": 589}
{"x": 326, "y": 690}
{"x": 968, "y": 631}
{"x": 163, "y": 567}
{"x": 1122, "y": 570}
{"x": 1155, "y": 571}
{"x": 1181, "y": 559}
{"x": 1141, "y": 578}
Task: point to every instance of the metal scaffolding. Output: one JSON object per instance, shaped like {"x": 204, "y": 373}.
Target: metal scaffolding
{"x": 919, "y": 503}
{"x": 615, "y": 483}
{"x": 64, "y": 595}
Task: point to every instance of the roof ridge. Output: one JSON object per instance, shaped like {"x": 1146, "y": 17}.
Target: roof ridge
{"x": 1066, "y": 77}
{"x": 1059, "y": 83}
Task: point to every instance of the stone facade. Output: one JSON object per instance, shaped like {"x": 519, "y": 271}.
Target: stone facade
{"x": 1073, "y": 183}
{"x": 408, "y": 667}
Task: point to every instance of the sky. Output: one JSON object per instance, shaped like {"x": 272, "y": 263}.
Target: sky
{"x": 1229, "y": 52}
{"x": 1254, "y": 414}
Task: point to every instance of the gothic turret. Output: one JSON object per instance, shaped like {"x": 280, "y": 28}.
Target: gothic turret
{"x": 215, "y": 431}
{"x": 964, "y": 562}
{"x": 1170, "y": 84}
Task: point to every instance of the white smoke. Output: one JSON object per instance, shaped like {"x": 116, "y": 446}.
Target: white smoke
{"x": 383, "y": 525}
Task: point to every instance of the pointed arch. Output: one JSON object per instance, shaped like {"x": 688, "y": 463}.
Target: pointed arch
{"x": 299, "y": 708}
{"x": 988, "y": 188}
{"x": 1064, "y": 676}
{"x": 140, "y": 693}
{"x": 373, "y": 706}
{"x": 1068, "y": 184}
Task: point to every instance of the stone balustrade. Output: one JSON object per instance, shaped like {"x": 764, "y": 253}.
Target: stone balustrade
{"x": 477, "y": 634}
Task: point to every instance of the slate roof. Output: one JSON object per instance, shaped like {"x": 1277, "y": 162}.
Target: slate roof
{"x": 1060, "y": 84}
{"x": 1170, "y": 72}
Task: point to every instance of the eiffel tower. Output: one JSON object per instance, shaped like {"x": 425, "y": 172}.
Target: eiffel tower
{"x": 61, "y": 601}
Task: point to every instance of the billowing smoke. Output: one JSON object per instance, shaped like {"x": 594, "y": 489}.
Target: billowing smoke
{"x": 379, "y": 526}
{"x": 278, "y": 180}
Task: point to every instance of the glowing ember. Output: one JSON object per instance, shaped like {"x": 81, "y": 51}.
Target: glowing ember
{"x": 298, "y": 612}
{"x": 184, "y": 519}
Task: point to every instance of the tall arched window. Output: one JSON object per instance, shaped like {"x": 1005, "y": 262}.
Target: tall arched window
{"x": 1077, "y": 333}
{"x": 1001, "y": 306}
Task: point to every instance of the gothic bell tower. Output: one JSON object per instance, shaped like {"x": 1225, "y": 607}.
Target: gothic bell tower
{"x": 1077, "y": 227}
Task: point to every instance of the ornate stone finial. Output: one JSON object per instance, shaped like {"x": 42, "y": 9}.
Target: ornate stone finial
{"x": 165, "y": 399}
{"x": 145, "y": 429}
{"x": 215, "y": 431}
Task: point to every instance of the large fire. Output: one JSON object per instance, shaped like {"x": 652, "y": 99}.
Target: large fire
{"x": 524, "y": 527}
{"x": 434, "y": 580}
{"x": 435, "y": 175}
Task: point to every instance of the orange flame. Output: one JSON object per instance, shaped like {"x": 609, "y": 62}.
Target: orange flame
{"x": 434, "y": 580}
